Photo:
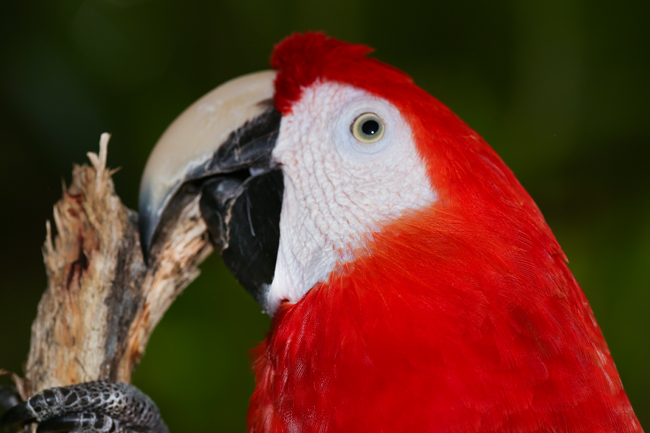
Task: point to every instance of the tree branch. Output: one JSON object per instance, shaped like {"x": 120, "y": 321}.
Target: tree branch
{"x": 102, "y": 302}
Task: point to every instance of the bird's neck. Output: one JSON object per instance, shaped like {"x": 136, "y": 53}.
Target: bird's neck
{"x": 434, "y": 332}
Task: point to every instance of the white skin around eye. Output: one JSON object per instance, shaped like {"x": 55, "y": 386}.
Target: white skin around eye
{"x": 339, "y": 190}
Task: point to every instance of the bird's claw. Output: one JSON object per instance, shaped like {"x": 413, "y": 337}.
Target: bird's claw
{"x": 93, "y": 407}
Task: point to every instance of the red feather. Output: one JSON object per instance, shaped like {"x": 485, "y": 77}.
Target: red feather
{"x": 459, "y": 318}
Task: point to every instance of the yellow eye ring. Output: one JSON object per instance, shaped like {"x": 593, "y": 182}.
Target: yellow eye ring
{"x": 367, "y": 128}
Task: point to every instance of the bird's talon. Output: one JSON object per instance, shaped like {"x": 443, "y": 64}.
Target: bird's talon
{"x": 93, "y": 407}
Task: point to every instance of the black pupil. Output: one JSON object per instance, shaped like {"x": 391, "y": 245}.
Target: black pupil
{"x": 370, "y": 127}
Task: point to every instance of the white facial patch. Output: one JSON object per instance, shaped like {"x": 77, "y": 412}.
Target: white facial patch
{"x": 338, "y": 190}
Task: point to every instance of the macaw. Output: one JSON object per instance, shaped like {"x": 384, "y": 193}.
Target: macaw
{"x": 413, "y": 283}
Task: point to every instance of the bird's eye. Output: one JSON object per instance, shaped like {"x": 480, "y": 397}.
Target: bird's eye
{"x": 367, "y": 128}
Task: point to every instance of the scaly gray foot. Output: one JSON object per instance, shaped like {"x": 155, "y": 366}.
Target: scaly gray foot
{"x": 92, "y": 407}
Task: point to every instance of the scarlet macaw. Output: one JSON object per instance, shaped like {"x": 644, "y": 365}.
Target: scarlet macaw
{"x": 414, "y": 284}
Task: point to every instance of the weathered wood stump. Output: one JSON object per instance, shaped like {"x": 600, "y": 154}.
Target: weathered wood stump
{"x": 102, "y": 301}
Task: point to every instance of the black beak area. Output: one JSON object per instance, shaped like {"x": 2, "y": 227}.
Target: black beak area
{"x": 239, "y": 187}
{"x": 243, "y": 218}
{"x": 242, "y": 208}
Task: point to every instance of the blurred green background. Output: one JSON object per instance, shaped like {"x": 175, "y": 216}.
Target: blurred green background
{"x": 559, "y": 88}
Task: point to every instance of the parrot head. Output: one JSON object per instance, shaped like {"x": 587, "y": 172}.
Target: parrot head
{"x": 414, "y": 284}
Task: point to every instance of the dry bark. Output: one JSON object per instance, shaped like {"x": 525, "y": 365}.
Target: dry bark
{"x": 102, "y": 302}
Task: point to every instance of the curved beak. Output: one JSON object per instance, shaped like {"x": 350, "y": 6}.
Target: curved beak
{"x": 220, "y": 148}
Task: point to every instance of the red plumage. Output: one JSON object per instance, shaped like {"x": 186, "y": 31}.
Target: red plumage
{"x": 463, "y": 317}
